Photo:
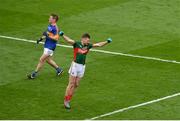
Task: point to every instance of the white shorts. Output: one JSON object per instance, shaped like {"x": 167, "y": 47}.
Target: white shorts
{"x": 48, "y": 51}
{"x": 77, "y": 70}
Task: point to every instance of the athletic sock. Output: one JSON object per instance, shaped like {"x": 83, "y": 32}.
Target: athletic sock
{"x": 58, "y": 69}
{"x": 68, "y": 97}
{"x": 34, "y": 73}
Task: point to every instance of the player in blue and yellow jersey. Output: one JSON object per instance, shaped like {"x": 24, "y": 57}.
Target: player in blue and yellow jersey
{"x": 51, "y": 37}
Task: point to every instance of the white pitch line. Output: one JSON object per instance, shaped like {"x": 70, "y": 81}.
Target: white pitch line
{"x": 135, "y": 106}
{"x": 100, "y": 51}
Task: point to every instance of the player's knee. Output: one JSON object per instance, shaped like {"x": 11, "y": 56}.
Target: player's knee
{"x": 73, "y": 85}
{"x": 41, "y": 60}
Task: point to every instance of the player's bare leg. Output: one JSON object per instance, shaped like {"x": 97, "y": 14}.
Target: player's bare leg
{"x": 42, "y": 60}
{"x": 73, "y": 84}
{"x": 51, "y": 62}
{"x": 69, "y": 91}
{"x": 77, "y": 82}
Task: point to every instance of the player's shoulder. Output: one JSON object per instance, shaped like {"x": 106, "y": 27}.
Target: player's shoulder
{"x": 90, "y": 45}
{"x": 77, "y": 43}
{"x": 56, "y": 26}
{"x": 53, "y": 26}
{"x": 49, "y": 27}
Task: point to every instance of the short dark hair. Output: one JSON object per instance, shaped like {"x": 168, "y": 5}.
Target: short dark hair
{"x": 55, "y": 16}
{"x": 86, "y": 35}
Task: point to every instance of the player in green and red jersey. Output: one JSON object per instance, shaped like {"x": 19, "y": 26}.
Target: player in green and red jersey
{"x": 77, "y": 69}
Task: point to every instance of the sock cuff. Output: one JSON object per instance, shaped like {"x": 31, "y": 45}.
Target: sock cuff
{"x": 68, "y": 98}
{"x": 57, "y": 68}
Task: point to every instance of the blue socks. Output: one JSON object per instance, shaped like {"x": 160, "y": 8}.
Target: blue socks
{"x": 58, "y": 69}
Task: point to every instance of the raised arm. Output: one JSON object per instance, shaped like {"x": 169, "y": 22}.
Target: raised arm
{"x": 41, "y": 38}
{"x": 47, "y": 34}
{"x": 66, "y": 38}
{"x": 100, "y": 44}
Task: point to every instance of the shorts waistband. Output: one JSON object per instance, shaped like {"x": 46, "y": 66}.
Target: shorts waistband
{"x": 49, "y": 48}
{"x": 78, "y": 63}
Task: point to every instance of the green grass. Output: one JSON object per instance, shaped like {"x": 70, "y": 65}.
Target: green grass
{"x": 143, "y": 27}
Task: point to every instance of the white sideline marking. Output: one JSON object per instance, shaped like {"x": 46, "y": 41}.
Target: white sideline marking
{"x": 136, "y": 106}
{"x": 101, "y": 51}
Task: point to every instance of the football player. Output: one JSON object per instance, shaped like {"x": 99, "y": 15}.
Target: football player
{"x": 77, "y": 69}
{"x": 51, "y": 37}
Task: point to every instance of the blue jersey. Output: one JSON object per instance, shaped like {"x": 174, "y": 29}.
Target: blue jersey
{"x": 50, "y": 43}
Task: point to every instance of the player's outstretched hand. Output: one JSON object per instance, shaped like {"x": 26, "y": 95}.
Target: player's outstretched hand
{"x": 45, "y": 33}
{"x": 39, "y": 40}
{"x": 109, "y": 40}
{"x": 61, "y": 33}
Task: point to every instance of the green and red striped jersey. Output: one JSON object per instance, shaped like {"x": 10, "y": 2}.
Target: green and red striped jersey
{"x": 80, "y": 52}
